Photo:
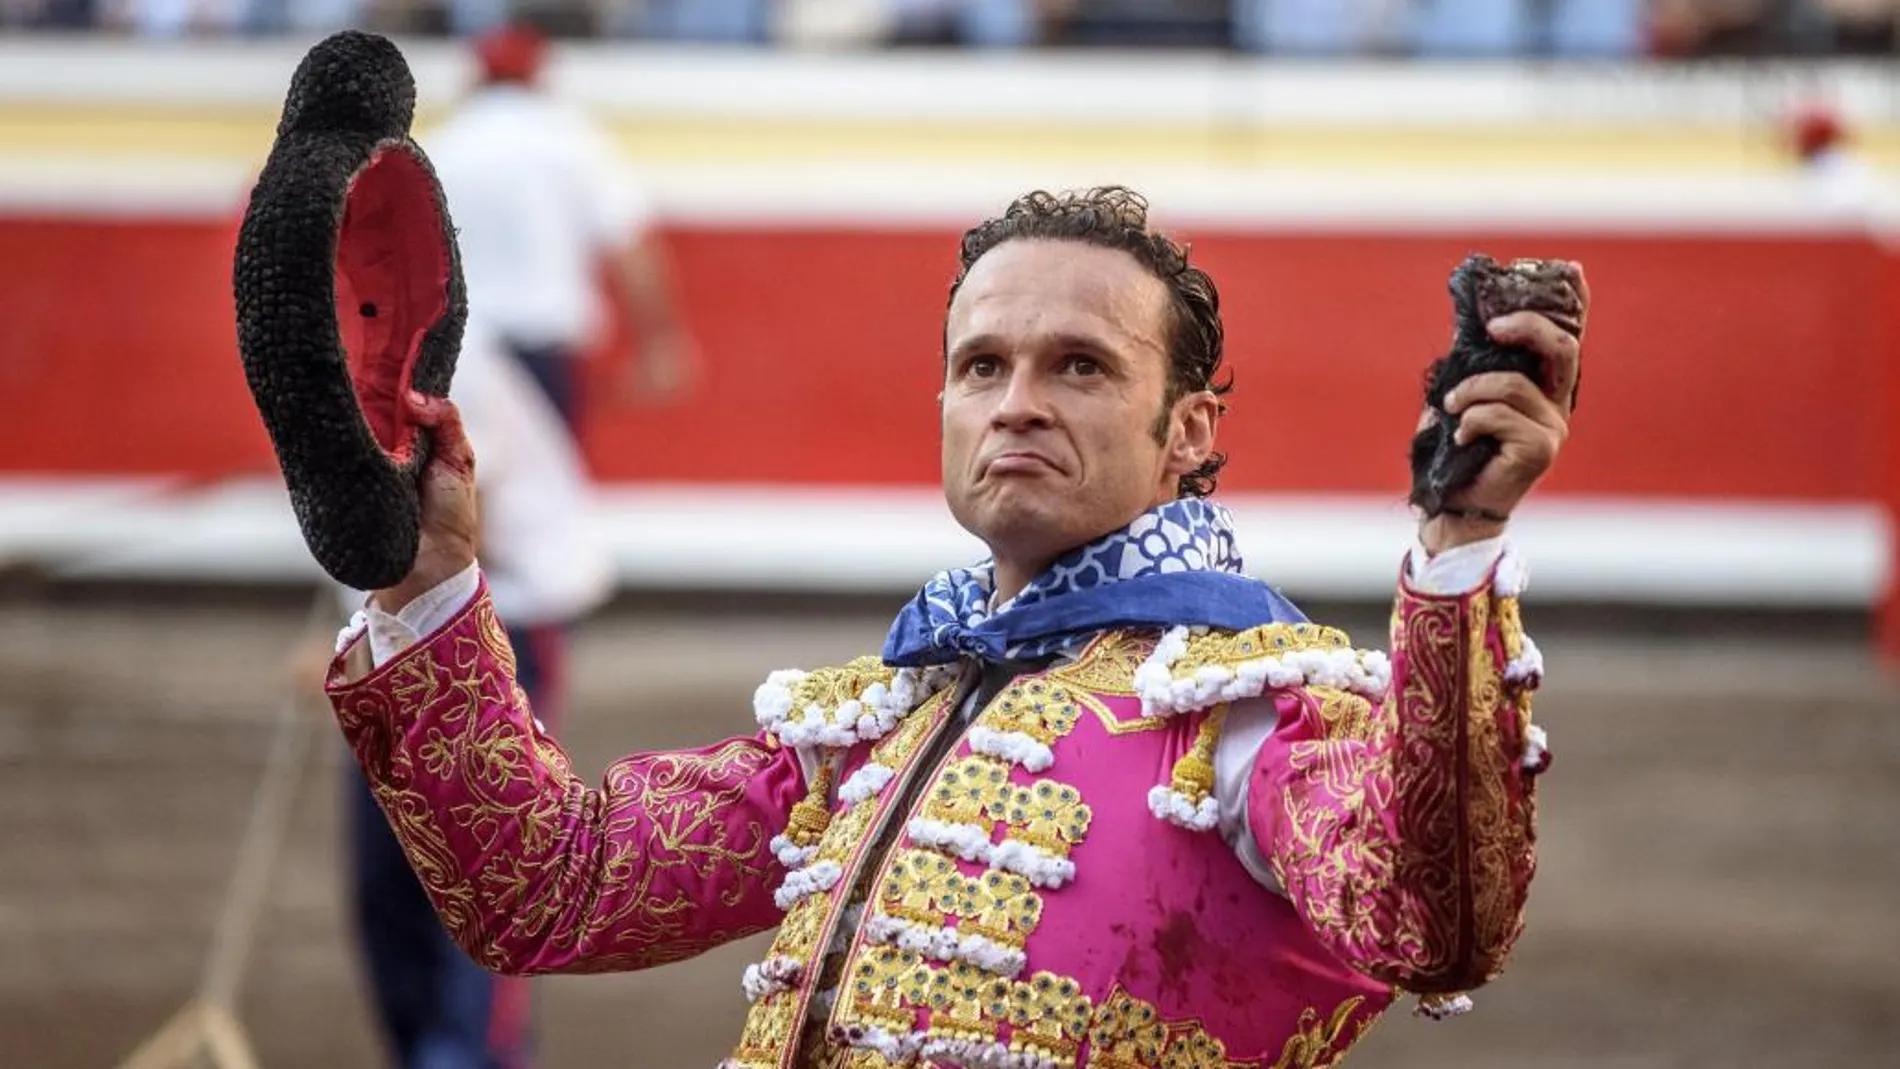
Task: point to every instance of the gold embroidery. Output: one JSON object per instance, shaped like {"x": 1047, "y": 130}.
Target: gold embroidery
{"x": 1496, "y": 839}
{"x": 960, "y": 996}
{"x": 1050, "y": 1015}
{"x": 662, "y": 823}
{"x": 1126, "y": 1033}
{"x": 920, "y": 887}
{"x": 896, "y": 749}
{"x": 1107, "y": 665}
{"x": 1047, "y": 815}
{"x": 1195, "y": 1050}
{"x": 847, "y": 833}
{"x": 1510, "y": 627}
{"x": 1224, "y": 649}
{"x": 769, "y": 1028}
{"x": 924, "y": 887}
{"x": 1343, "y": 714}
{"x": 1001, "y": 907}
{"x": 1315, "y": 1043}
{"x": 829, "y": 688}
{"x": 1427, "y": 930}
{"x": 1435, "y": 904}
{"x": 808, "y": 931}
{"x": 494, "y": 640}
{"x": 883, "y": 980}
{"x": 1042, "y": 710}
{"x": 970, "y": 789}
{"x": 798, "y": 935}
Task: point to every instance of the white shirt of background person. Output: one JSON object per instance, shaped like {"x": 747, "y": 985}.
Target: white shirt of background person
{"x": 538, "y": 196}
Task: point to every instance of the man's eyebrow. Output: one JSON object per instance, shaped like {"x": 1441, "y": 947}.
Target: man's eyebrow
{"x": 1061, "y": 340}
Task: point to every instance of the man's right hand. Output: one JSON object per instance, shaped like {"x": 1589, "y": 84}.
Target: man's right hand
{"x": 450, "y": 517}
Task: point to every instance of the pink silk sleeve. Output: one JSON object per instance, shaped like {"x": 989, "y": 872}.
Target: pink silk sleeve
{"x": 1404, "y": 833}
{"x": 531, "y": 869}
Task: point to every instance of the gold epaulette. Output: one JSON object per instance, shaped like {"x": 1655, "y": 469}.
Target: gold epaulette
{"x": 840, "y": 707}
{"x": 1194, "y": 669}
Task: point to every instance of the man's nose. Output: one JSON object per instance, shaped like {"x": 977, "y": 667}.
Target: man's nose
{"x": 1025, "y": 401}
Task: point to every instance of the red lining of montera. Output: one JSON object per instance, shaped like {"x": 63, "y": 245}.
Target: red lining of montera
{"x": 392, "y": 284}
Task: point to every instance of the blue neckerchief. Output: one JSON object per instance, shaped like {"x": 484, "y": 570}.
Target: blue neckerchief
{"x": 1175, "y": 565}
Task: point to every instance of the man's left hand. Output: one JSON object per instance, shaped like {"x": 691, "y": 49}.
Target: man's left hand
{"x": 1530, "y": 425}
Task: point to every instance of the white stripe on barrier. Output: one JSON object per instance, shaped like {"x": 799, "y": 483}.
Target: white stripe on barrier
{"x": 887, "y": 541}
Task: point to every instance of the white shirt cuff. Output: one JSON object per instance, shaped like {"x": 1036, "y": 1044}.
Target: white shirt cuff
{"x": 392, "y": 633}
{"x": 1455, "y": 572}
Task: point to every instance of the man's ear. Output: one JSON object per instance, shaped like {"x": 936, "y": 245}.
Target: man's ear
{"x": 1192, "y": 441}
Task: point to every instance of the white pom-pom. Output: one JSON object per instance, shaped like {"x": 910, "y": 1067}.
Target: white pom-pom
{"x": 790, "y": 854}
{"x": 1440, "y": 1007}
{"x": 807, "y": 881}
{"x": 1013, "y": 746}
{"x": 1513, "y": 575}
{"x": 772, "y": 701}
{"x": 358, "y": 624}
{"x": 1527, "y": 670}
{"x": 1178, "y": 809}
{"x": 867, "y": 782}
{"x": 770, "y": 977}
{"x": 1536, "y": 750}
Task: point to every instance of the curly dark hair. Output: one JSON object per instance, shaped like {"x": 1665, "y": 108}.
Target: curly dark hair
{"x": 1115, "y": 217}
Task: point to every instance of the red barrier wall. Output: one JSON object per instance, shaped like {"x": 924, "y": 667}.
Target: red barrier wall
{"x": 1717, "y": 366}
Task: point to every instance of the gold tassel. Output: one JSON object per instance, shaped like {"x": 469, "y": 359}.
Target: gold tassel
{"x": 812, "y": 815}
{"x": 1193, "y": 774}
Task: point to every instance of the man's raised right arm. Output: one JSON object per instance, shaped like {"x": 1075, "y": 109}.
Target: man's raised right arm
{"x": 531, "y": 869}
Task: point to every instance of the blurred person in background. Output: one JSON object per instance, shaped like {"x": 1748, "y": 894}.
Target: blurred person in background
{"x": 1817, "y": 139}
{"x": 541, "y": 205}
{"x": 1861, "y": 27}
{"x": 1225, "y": 833}
{"x": 973, "y": 23}
{"x": 437, "y": 1008}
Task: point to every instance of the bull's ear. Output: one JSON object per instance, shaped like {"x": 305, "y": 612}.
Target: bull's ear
{"x": 349, "y": 292}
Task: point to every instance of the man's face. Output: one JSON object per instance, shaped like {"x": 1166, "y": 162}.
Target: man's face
{"x": 1056, "y": 374}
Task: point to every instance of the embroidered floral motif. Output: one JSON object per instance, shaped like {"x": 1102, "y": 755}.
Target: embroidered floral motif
{"x": 1126, "y": 1033}
{"x": 1431, "y": 900}
{"x": 679, "y": 859}
{"x": 1315, "y": 1044}
{"x": 1107, "y": 666}
{"x": 922, "y": 891}
{"x": 1043, "y": 821}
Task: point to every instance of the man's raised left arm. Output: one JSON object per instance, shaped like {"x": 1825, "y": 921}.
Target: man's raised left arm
{"x": 1407, "y": 839}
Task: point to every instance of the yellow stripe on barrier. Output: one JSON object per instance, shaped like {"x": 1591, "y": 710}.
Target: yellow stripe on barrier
{"x": 200, "y": 133}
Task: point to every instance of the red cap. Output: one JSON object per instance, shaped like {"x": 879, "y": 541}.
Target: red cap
{"x": 511, "y": 52}
{"x": 1814, "y": 127}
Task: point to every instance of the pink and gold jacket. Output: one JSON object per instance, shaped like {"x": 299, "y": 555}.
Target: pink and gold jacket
{"x": 1040, "y": 882}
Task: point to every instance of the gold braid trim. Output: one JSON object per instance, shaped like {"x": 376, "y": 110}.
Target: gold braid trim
{"x": 1227, "y": 649}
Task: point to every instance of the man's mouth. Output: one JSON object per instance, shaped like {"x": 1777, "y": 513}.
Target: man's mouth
{"x": 1019, "y": 462}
